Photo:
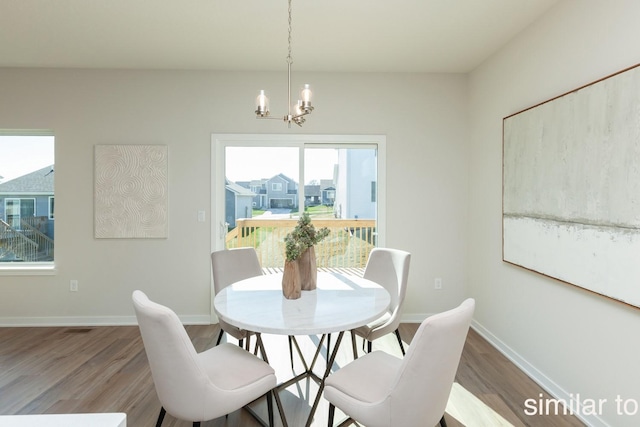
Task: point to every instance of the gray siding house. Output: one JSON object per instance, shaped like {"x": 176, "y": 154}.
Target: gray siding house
{"x": 282, "y": 192}
{"x": 27, "y": 217}
{"x": 279, "y": 191}
{"x": 238, "y": 203}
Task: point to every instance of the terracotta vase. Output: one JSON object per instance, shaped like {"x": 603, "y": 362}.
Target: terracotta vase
{"x": 308, "y": 270}
{"x": 291, "y": 285}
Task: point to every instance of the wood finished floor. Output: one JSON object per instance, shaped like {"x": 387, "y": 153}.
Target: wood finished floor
{"x": 105, "y": 369}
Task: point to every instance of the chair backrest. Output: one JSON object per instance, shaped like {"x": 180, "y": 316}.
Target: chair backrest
{"x": 231, "y": 265}
{"x": 425, "y": 379}
{"x": 179, "y": 378}
{"x": 390, "y": 268}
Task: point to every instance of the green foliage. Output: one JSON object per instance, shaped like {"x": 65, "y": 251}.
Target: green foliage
{"x": 303, "y": 236}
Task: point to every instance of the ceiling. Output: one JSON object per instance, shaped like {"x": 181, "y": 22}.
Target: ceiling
{"x": 244, "y": 35}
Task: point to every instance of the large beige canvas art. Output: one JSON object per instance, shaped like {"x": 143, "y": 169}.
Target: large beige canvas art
{"x": 571, "y": 206}
{"x": 130, "y": 191}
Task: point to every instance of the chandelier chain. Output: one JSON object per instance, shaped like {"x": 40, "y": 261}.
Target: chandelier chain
{"x": 289, "y": 60}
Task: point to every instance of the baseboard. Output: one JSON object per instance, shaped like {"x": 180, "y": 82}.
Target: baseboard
{"x": 532, "y": 372}
{"x": 90, "y": 321}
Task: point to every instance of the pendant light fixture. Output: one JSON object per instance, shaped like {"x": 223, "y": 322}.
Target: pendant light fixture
{"x": 302, "y": 107}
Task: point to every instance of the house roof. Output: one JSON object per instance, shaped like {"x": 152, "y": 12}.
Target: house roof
{"x": 326, "y": 183}
{"x": 284, "y": 177}
{"x": 36, "y": 182}
{"x": 238, "y": 189}
{"x": 312, "y": 190}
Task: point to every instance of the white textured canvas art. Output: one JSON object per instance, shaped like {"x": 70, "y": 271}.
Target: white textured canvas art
{"x": 571, "y": 187}
{"x": 131, "y": 191}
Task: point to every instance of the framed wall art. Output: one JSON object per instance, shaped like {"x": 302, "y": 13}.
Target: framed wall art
{"x": 571, "y": 187}
{"x": 130, "y": 194}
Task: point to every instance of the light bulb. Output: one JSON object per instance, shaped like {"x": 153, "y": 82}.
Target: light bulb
{"x": 305, "y": 94}
{"x": 262, "y": 104}
{"x": 305, "y": 102}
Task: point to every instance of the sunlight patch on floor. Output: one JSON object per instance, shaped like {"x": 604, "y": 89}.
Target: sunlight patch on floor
{"x": 471, "y": 411}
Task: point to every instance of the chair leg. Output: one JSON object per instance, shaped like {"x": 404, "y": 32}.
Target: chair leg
{"x": 220, "y": 336}
{"x": 400, "y": 341}
{"x": 443, "y": 423}
{"x": 270, "y": 407}
{"x": 353, "y": 345}
{"x": 332, "y": 411}
{"x": 368, "y": 346}
{"x": 241, "y": 343}
{"x": 196, "y": 424}
{"x": 161, "y": 416}
{"x": 328, "y": 345}
{"x": 291, "y": 350}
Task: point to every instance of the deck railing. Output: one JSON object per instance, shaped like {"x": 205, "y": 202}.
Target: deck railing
{"x": 28, "y": 243}
{"x": 347, "y": 246}
{"x": 32, "y": 227}
{"x": 15, "y": 244}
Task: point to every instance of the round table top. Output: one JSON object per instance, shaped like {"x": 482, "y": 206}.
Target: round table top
{"x": 340, "y": 303}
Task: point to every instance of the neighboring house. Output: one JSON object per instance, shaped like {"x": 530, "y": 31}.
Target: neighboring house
{"x": 312, "y": 195}
{"x": 259, "y": 188}
{"x": 320, "y": 194}
{"x": 327, "y": 192}
{"x": 356, "y": 184}
{"x": 27, "y": 215}
{"x": 281, "y": 192}
{"x": 238, "y": 203}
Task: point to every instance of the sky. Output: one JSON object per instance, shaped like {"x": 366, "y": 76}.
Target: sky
{"x": 20, "y": 155}
{"x": 247, "y": 163}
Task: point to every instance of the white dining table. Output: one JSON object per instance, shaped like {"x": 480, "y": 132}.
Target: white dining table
{"x": 338, "y": 304}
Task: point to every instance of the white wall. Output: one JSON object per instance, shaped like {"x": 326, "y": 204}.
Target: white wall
{"x": 423, "y": 117}
{"x": 571, "y": 340}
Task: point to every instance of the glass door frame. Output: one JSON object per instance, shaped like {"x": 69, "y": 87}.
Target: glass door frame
{"x": 220, "y": 141}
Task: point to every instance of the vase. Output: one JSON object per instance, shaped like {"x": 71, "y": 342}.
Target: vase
{"x": 308, "y": 270}
{"x": 291, "y": 285}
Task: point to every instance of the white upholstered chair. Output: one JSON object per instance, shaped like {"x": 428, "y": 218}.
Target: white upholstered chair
{"x": 381, "y": 390}
{"x": 389, "y": 268}
{"x": 229, "y": 266}
{"x": 198, "y": 386}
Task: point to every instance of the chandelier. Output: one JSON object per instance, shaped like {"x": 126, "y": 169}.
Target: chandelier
{"x": 302, "y": 107}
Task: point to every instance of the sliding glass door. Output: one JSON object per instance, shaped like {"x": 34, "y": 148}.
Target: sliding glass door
{"x": 263, "y": 182}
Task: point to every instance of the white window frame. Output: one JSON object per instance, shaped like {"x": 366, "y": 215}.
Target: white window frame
{"x": 28, "y": 268}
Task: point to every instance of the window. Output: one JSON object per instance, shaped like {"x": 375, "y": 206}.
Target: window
{"x": 26, "y": 198}
{"x": 17, "y": 209}
{"x": 339, "y": 180}
{"x": 51, "y": 200}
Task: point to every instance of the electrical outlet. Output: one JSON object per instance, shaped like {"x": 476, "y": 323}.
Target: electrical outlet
{"x": 73, "y": 286}
{"x": 437, "y": 283}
